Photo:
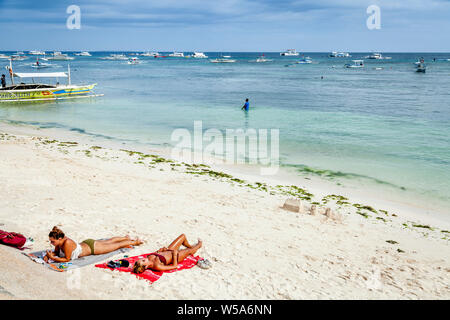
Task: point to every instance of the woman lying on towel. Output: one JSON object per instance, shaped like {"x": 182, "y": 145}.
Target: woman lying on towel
{"x": 66, "y": 249}
{"x": 167, "y": 258}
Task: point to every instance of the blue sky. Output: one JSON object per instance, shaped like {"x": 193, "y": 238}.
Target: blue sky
{"x": 227, "y": 25}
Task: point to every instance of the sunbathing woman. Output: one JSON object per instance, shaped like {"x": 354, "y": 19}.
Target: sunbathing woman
{"x": 66, "y": 249}
{"x": 167, "y": 258}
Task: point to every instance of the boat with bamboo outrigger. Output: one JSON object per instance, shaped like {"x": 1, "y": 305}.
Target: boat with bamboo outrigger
{"x": 38, "y": 91}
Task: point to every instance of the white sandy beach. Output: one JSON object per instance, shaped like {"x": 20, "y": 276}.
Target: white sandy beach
{"x": 258, "y": 249}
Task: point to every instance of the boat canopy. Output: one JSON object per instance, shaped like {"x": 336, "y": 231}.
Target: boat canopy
{"x": 41, "y": 75}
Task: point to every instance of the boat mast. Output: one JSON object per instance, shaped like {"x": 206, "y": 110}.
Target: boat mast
{"x": 68, "y": 71}
{"x": 11, "y": 74}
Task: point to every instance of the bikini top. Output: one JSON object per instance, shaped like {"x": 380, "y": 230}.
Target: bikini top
{"x": 162, "y": 258}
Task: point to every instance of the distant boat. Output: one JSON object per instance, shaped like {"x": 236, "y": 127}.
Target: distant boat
{"x": 336, "y": 54}
{"x": 134, "y": 60}
{"x": 83, "y": 54}
{"x": 356, "y": 64}
{"x": 115, "y": 57}
{"x": 420, "y": 66}
{"x": 40, "y": 65}
{"x": 289, "y": 52}
{"x": 377, "y": 56}
{"x": 37, "y": 52}
{"x": 262, "y": 58}
{"x": 150, "y": 54}
{"x": 57, "y": 55}
{"x": 198, "y": 55}
{"x": 305, "y": 60}
{"x": 18, "y": 58}
{"x": 223, "y": 59}
{"x": 3, "y": 56}
{"x": 177, "y": 54}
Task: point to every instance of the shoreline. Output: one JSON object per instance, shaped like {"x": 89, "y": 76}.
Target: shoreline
{"x": 380, "y": 197}
{"x": 98, "y": 191}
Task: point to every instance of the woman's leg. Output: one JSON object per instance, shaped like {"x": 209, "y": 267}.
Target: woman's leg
{"x": 105, "y": 246}
{"x": 182, "y": 254}
{"x": 116, "y": 239}
{"x": 181, "y": 240}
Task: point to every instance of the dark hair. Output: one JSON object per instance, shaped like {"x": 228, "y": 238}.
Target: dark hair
{"x": 246, "y": 99}
{"x": 3, "y": 75}
{"x": 56, "y": 233}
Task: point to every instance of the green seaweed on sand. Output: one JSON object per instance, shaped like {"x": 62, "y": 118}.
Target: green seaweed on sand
{"x": 392, "y": 241}
{"x": 88, "y": 153}
{"x": 382, "y": 219}
{"x": 368, "y": 208}
{"x": 445, "y": 231}
{"x": 365, "y": 215}
{"x": 422, "y": 226}
{"x": 96, "y": 147}
{"x": 49, "y": 141}
{"x": 132, "y": 153}
{"x": 400, "y": 250}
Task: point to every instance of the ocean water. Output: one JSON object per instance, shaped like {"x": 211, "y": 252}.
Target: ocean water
{"x": 388, "y": 128}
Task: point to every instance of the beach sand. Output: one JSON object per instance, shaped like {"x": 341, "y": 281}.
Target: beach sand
{"x": 258, "y": 250}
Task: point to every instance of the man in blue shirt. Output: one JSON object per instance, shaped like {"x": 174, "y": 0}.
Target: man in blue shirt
{"x": 246, "y": 105}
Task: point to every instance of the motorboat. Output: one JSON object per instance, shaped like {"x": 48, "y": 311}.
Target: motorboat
{"x": 133, "y": 60}
{"x": 356, "y": 64}
{"x": 150, "y": 54}
{"x": 262, "y": 58}
{"x": 57, "y": 55}
{"x": 36, "y": 53}
{"x": 336, "y": 54}
{"x": 289, "y": 52}
{"x": 40, "y": 65}
{"x": 420, "y": 66}
{"x": 198, "y": 55}
{"x": 40, "y": 91}
{"x": 115, "y": 56}
{"x": 83, "y": 54}
{"x": 4, "y": 56}
{"x": 305, "y": 60}
{"x": 223, "y": 60}
{"x": 377, "y": 56}
{"x": 18, "y": 58}
{"x": 177, "y": 54}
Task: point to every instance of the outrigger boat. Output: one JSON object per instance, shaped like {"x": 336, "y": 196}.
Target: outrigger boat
{"x": 26, "y": 92}
{"x": 356, "y": 64}
{"x": 420, "y": 66}
{"x": 134, "y": 60}
{"x": 40, "y": 65}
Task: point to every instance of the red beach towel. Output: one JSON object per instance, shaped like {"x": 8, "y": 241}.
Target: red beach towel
{"x": 151, "y": 275}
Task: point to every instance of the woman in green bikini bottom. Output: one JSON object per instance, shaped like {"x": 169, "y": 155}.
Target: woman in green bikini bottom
{"x": 66, "y": 249}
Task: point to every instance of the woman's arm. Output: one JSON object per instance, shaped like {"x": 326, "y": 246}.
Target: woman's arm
{"x": 58, "y": 259}
{"x": 68, "y": 248}
{"x": 161, "y": 267}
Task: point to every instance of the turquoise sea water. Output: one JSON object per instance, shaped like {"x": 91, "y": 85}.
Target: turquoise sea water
{"x": 388, "y": 127}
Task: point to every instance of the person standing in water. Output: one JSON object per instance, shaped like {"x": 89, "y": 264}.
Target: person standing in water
{"x": 246, "y": 105}
{"x": 3, "y": 81}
